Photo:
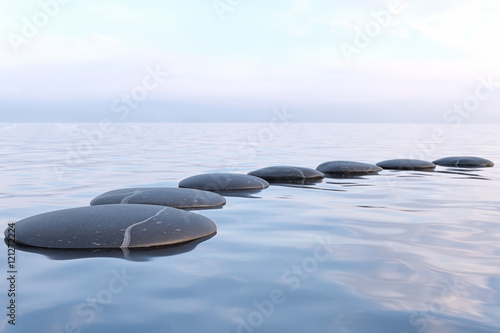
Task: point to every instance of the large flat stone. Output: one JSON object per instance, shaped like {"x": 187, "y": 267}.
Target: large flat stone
{"x": 224, "y": 182}
{"x": 464, "y": 161}
{"x": 112, "y": 226}
{"x": 278, "y": 173}
{"x": 406, "y": 164}
{"x": 162, "y": 196}
{"x": 134, "y": 254}
{"x": 347, "y": 168}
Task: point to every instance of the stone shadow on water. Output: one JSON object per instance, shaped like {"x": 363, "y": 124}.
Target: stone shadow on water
{"x": 336, "y": 179}
{"x": 312, "y": 187}
{"x": 464, "y": 172}
{"x": 240, "y": 193}
{"x": 295, "y": 182}
{"x": 349, "y": 176}
{"x": 310, "y": 184}
{"x": 132, "y": 254}
{"x": 300, "y": 183}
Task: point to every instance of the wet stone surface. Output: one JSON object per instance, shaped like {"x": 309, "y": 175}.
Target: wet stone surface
{"x": 406, "y": 164}
{"x": 283, "y": 173}
{"x": 347, "y": 168}
{"x": 464, "y": 161}
{"x": 162, "y": 196}
{"x": 134, "y": 254}
{"x": 112, "y": 226}
{"x": 224, "y": 182}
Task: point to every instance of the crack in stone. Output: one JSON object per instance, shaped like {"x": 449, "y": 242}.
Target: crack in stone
{"x": 301, "y": 173}
{"x": 261, "y": 182}
{"x": 130, "y": 196}
{"x": 127, "y": 238}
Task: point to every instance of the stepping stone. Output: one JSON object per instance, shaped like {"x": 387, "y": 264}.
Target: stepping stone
{"x": 112, "y": 227}
{"x": 135, "y": 254}
{"x": 348, "y": 168}
{"x": 162, "y": 196}
{"x": 224, "y": 182}
{"x": 464, "y": 161}
{"x": 277, "y": 173}
{"x": 314, "y": 181}
{"x": 406, "y": 164}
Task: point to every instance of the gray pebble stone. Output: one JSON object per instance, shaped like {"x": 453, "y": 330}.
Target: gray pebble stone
{"x": 134, "y": 254}
{"x": 348, "y": 168}
{"x": 162, "y": 196}
{"x": 277, "y": 173}
{"x": 112, "y": 226}
{"x": 406, "y": 164}
{"x": 224, "y": 182}
{"x": 464, "y": 161}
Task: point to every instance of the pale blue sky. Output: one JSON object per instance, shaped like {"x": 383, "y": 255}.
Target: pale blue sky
{"x": 237, "y": 60}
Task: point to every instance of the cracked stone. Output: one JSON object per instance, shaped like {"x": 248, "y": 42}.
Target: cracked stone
{"x": 224, "y": 182}
{"x": 406, "y": 164}
{"x": 275, "y": 173}
{"x": 464, "y": 161}
{"x": 348, "y": 168}
{"x": 112, "y": 226}
{"x": 162, "y": 196}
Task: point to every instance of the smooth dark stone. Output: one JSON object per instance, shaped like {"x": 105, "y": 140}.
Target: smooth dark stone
{"x": 347, "y": 168}
{"x": 348, "y": 176}
{"x": 162, "y": 196}
{"x": 250, "y": 194}
{"x": 406, "y": 164}
{"x": 224, "y": 182}
{"x": 277, "y": 173}
{"x": 464, "y": 161}
{"x": 135, "y": 254}
{"x": 112, "y": 226}
{"x": 313, "y": 181}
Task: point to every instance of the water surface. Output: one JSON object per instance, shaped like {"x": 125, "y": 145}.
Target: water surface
{"x": 402, "y": 251}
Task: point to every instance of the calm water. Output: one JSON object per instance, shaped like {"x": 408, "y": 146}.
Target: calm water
{"x": 401, "y": 251}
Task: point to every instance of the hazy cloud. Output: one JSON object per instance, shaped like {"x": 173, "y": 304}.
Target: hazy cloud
{"x": 261, "y": 55}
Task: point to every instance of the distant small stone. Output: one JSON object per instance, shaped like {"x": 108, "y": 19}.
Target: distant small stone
{"x": 277, "y": 173}
{"x": 464, "y": 161}
{"x": 347, "y": 168}
{"x": 112, "y": 227}
{"x": 406, "y": 164}
{"x": 162, "y": 196}
{"x": 224, "y": 182}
